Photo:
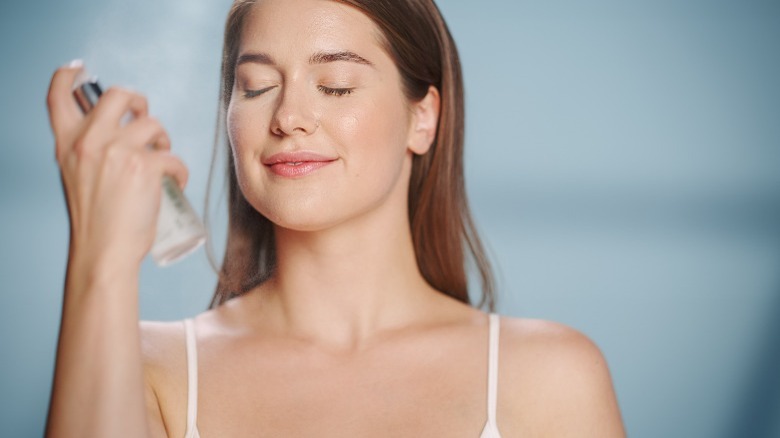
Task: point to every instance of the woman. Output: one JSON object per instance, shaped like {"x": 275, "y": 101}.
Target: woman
{"x": 342, "y": 307}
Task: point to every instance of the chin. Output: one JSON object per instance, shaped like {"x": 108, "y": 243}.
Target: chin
{"x": 306, "y": 214}
{"x": 302, "y": 222}
{"x": 321, "y": 214}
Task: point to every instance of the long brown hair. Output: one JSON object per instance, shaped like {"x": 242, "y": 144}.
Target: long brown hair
{"x": 444, "y": 235}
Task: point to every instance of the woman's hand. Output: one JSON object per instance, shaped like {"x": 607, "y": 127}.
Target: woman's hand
{"x": 111, "y": 178}
{"x": 112, "y": 182}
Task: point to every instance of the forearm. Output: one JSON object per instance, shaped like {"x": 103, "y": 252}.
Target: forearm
{"x": 98, "y": 383}
{"x": 112, "y": 184}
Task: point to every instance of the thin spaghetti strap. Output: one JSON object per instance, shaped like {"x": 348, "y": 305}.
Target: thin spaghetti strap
{"x": 491, "y": 427}
{"x": 493, "y": 368}
{"x": 192, "y": 378}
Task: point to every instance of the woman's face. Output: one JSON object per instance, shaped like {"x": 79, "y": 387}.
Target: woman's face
{"x": 318, "y": 123}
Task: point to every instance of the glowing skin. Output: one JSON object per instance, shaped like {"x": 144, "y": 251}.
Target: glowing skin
{"x": 346, "y": 338}
{"x": 293, "y": 95}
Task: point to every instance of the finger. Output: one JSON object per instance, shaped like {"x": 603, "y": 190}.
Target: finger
{"x": 115, "y": 103}
{"x": 173, "y": 166}
{"x": 64, "y": 112}
{"x": 146, "y": 131}
{"x": 104, "y": 120}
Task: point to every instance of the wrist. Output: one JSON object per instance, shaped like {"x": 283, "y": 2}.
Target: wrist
{"x": 101, "y": 272}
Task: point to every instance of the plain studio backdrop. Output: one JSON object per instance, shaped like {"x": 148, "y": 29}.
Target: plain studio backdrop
{"x": 622, "y": 163}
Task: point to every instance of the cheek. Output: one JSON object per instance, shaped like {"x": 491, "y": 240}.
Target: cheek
{"x": 245, "y": 128}
{"x": 237, "y": 127}
{"x": 244, "y": 134}
{"x": 375, "y": 131}
{"x": 349, "y": 123}
{"x": 374, "y": 151}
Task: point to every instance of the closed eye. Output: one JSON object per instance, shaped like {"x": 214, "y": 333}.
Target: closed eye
{"x": 252, "y": 93}
{"x": 335, "y": 91}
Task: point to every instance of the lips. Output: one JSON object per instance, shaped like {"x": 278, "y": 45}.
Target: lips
{"x": 296, "y": 164}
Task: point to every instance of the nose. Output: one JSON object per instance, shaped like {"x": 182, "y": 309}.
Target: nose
{"x": 294, "y": 114}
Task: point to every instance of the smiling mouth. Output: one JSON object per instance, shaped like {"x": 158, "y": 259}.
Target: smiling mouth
{"x": 297, "y": 169}
{"x": 296, "y": 164}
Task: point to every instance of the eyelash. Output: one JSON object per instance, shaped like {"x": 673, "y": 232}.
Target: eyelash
{"x": 338, "y": 92}
{"x": 253, "y": 93}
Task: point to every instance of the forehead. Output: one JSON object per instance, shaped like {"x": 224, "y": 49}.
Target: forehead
{"x": 289, "y": 26}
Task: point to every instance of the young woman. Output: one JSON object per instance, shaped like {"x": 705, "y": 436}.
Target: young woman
{"x": 342, "y": 306}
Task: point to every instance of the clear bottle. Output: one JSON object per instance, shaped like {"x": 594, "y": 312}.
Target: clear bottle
{"x": 179, "y": 229}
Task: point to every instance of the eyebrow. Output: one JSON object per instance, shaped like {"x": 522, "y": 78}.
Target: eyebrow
{"x": 255, "y": 58}
{"x": 346, "y": 55}
{"x": 317, "y": 58}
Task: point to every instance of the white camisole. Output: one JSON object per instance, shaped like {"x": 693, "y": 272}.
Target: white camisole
{"x": 489, "y": 431}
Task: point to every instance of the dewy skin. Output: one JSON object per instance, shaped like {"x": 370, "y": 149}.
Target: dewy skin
{"x": 179, "y": 230}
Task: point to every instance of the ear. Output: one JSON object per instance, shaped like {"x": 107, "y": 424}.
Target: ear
{"x": 425, "y": 118}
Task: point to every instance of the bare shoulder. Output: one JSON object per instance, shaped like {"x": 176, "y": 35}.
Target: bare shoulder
{"x": 164, "y": 354}
{"x": 162, "y": 343}
{"x": 551, "y": 344}
{"x": 555, "y": 381}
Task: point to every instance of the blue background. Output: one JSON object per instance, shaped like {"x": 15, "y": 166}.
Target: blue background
{"x": 621, "y": 161}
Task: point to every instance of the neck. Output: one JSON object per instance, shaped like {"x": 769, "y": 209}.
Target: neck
{"x": 342, "y": 285}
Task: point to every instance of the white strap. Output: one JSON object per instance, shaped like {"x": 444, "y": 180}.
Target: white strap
{"x": 192, "y": 377}
{"x": 493, "y": 368}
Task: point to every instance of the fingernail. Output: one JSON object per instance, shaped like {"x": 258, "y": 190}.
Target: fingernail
{"x": 76, "y": 63}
